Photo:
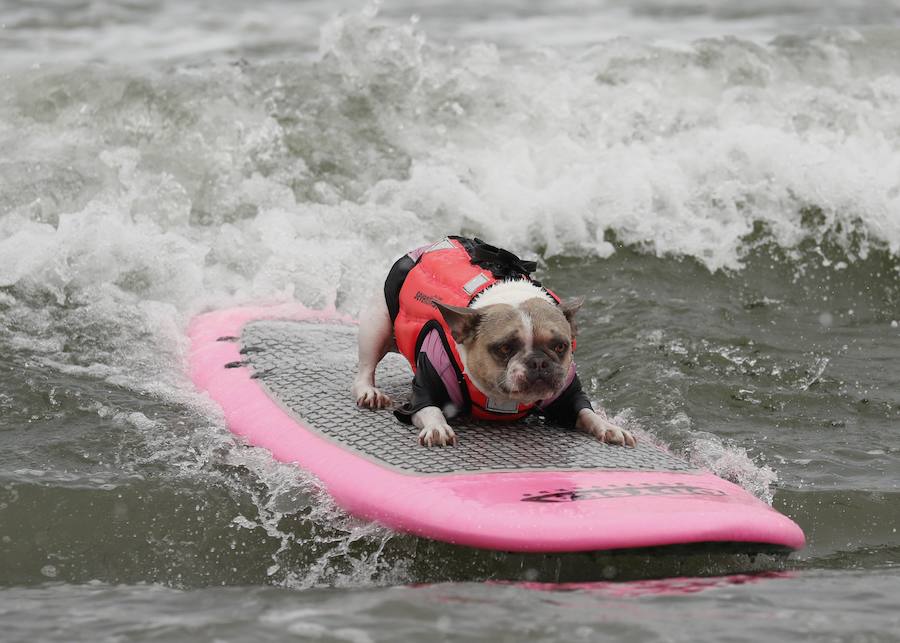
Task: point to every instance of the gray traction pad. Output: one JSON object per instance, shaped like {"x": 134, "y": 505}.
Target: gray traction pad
{"x": 308, "y": 368}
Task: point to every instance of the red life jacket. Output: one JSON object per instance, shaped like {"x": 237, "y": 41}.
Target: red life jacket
{"x": 446, "y": 272}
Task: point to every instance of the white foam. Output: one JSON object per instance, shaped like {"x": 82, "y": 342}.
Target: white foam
{"x": 733, "y": 463}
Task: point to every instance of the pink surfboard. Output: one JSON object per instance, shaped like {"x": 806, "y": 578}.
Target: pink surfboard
{"x": 282, "y": 376}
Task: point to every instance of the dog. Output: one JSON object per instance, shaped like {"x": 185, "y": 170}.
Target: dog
{"x": 508, "y": 353}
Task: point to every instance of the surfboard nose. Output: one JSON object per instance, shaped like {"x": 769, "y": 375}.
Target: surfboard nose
{"x": 587, "y": 511}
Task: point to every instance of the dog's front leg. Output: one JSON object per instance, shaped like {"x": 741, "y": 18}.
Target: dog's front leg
{"x": 375, "y": 340}
{"x": 603, "y": 430}
{"x": 434, "y": 428}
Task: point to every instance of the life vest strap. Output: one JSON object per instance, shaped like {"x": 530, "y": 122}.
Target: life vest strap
{"x": 502, "y": 263}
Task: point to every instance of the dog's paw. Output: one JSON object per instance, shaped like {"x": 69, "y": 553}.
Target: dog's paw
{"x": 609, "y": 433}
{"x": 437, "y": 435}
{"x": 615, "y": 435}
{"x": 370, "y": 397}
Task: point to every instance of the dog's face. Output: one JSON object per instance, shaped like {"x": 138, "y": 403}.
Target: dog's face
{"x": 521, "y": 353}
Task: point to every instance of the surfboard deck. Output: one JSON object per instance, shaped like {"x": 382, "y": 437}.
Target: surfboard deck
{"x": 282, "y": 376}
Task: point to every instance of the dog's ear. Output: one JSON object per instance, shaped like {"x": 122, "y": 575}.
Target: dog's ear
{"x": 463, "y": 322}
{"x": 569, "y": 307}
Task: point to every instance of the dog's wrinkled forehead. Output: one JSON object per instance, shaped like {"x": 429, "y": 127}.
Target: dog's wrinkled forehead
{"x": 499, "y": 320}
{"x": 534, "y": 317}
{"x": 546, "y": 316}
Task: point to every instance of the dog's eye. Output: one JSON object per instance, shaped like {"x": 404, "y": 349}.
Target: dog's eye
{"x": 560, "y": 348}
{"x": 506, "y": 349}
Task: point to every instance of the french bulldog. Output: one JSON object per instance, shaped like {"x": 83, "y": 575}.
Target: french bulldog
{"x": 515, "y": 343}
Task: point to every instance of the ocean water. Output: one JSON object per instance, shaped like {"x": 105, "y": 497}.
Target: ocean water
{"x": 720, "y": 180}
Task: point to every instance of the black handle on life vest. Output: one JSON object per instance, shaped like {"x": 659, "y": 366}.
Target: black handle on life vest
{"x": 503, "y": 263}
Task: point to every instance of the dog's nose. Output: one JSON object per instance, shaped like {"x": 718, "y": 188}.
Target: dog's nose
{"x": 538, "y": 364}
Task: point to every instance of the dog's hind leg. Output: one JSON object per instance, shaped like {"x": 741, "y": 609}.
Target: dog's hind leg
{"x": 376, "y": 338}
